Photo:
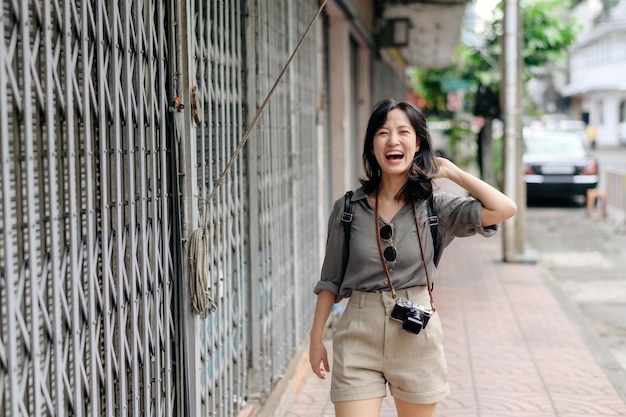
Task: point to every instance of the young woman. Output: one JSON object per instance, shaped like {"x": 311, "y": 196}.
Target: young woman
{"x": 390, "y": 334}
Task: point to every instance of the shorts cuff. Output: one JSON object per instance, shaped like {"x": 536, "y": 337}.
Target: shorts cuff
{"x": 421, "y": 397}
{"x": 355, "y": 394}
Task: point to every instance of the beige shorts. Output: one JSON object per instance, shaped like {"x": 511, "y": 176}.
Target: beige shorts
{"x": 371, "y": 350}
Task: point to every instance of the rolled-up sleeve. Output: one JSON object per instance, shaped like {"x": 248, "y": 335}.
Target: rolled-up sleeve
{"x": 460, "y": 216}
{"x": 331, "y": 276}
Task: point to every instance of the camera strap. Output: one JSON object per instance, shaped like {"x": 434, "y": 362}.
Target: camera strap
{"x": 421, "y": 243}
{"x": 384, "y": 262}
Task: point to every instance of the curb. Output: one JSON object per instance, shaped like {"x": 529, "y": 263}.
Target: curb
{"x": 284, "y": 393}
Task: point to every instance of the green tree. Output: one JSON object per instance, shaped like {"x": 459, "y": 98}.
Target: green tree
{"x": 428, "y": 84}
{"x": 547, "y": 34}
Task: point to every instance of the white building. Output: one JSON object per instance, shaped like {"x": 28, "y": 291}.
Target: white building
{"x": 597, "y": 82}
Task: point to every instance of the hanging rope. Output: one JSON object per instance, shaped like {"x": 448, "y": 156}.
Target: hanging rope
{"x": 201, "y": 299}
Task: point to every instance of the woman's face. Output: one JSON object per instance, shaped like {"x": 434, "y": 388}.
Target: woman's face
{"x": 395, "y": 144}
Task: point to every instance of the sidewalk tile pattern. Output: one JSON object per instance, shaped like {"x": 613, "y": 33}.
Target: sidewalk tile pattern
{"x": 511, "y": 350}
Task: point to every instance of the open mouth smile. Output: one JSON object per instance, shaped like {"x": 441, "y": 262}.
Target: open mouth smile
{"x": 394, "y": 156}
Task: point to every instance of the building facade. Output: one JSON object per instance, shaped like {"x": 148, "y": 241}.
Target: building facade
{"x": 166, "y": 181}
{"x": 597, "y": 78}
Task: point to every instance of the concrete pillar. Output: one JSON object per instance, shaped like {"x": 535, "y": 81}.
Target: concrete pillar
{"x": 340, "y": 106}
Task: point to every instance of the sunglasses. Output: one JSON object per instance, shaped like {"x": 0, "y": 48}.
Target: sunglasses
{"x": 386, "y": 234}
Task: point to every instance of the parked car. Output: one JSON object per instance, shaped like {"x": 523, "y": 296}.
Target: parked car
{"x": 577, "y": 127}
{"x": 557, "y": 164}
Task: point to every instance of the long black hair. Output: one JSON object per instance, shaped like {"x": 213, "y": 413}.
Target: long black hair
{"x": 419, "y": 185}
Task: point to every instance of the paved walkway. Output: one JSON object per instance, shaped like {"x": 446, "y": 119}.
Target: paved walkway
{"x": 511, "y": 350}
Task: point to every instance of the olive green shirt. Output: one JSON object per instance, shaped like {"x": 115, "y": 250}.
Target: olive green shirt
{"x": 458, "y": 217}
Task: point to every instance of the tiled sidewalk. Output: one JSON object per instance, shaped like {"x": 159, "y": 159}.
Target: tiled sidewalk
{"x": 511, "y": 350}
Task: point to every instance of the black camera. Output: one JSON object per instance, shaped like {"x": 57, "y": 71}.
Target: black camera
{"x": 413, "y": 317}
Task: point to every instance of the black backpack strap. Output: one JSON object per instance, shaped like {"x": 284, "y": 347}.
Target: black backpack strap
{"x": 433, "y": 221}
{"x": 346, "y": 219}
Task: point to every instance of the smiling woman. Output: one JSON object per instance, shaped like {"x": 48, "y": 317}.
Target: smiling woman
{"x": 388, "y": 268}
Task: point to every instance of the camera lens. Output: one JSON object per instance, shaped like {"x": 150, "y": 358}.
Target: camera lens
{"x": 413, "y": 317}
{"x": 412, "y": 324}
{"x": 425, "y": 314}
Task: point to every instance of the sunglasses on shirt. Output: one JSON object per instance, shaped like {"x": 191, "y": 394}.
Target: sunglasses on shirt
{"x": 386, "y": 234}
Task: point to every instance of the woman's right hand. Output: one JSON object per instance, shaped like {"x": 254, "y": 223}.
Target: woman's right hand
{"x": 318, "y": 357}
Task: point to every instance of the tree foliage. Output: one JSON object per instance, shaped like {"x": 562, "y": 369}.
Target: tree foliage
{"x": 547, "y": 35}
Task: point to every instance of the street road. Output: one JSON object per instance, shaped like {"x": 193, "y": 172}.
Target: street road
{"x": 586, "y": 256}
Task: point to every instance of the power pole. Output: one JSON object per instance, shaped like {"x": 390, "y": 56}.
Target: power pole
{"x": 513, "y": 229}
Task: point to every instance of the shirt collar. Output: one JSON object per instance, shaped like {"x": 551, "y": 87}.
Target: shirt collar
{"x": 359, "y": 194}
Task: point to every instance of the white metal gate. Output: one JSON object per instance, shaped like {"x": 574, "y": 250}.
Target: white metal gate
{"x": 283, "y": 166}
{"x": 263, "y": 250}
{"x": 215, "y": 72}
{"x": 92, "y": 306}
{"x": 87, "y": 274}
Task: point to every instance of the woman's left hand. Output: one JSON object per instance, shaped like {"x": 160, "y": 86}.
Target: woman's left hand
{"x": 497, "y": 207}
{"x": 446, "y": 168}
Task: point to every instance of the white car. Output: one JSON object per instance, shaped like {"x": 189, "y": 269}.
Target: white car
{"x": 557, "y": 164}
{"x": 576, "y": 127}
